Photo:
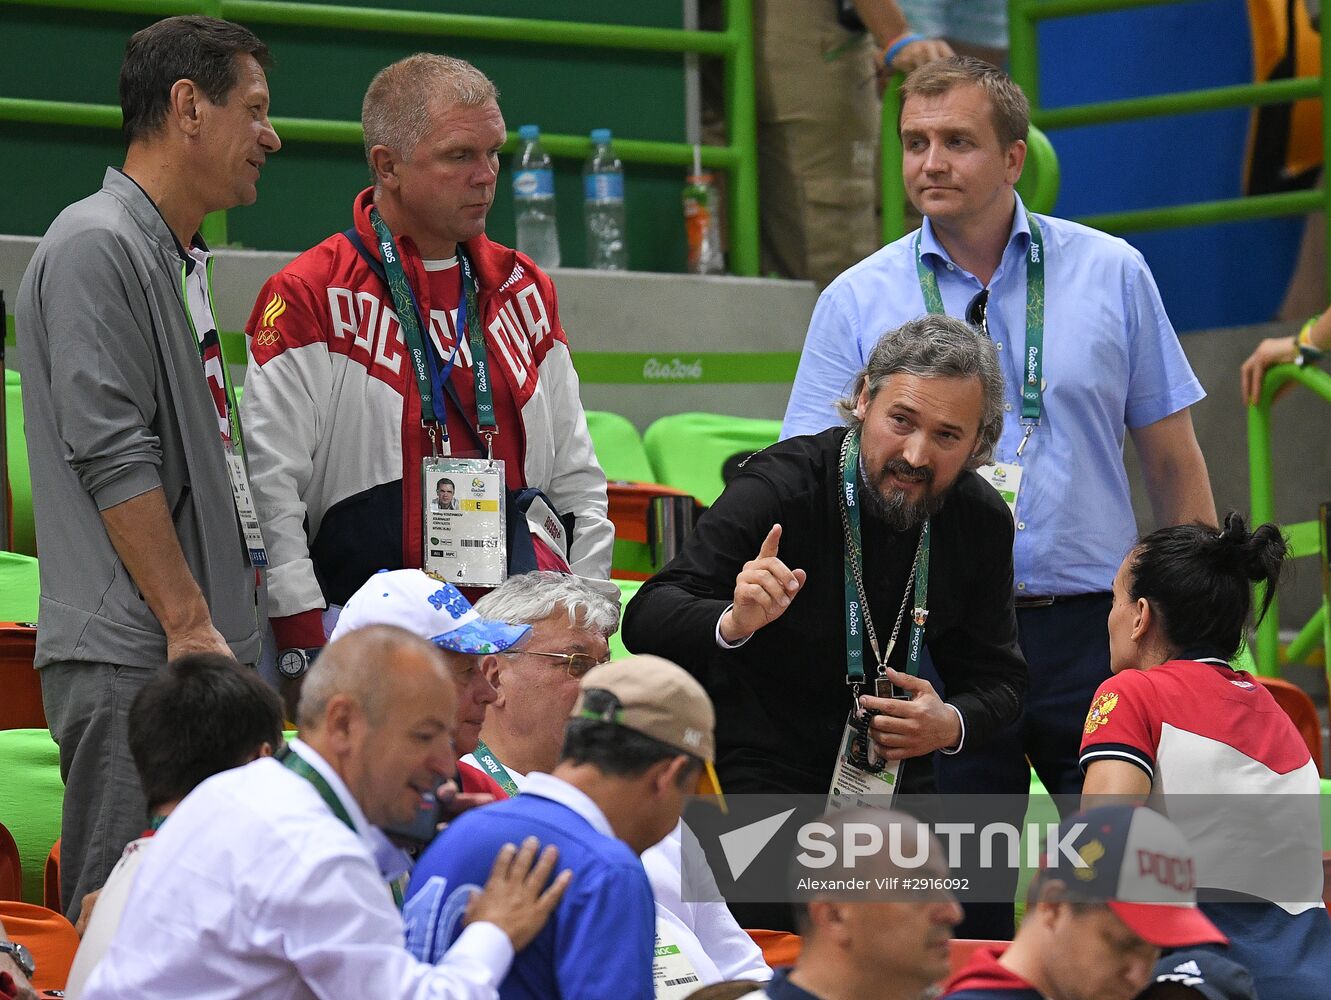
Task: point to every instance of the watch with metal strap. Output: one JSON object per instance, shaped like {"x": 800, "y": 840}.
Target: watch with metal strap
{"x": 22, "y": 957}
{"x": 295, "y": 661}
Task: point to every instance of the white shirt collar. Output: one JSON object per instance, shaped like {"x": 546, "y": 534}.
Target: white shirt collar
{"x": 547, "y": 786}
{"x": 311, "y": 756}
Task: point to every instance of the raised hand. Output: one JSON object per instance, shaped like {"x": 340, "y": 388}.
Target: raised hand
{"x": 763, "y": 590}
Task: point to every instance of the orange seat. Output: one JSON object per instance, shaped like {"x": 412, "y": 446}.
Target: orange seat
{"x": 779, "y": 948}
{"x": 48, "y": 935}
{"x": 21, "y": 707}
{"x": 51, "y": 882}
{"x": 959, "y": 951}
{"x": 11, "y": 870}
{"x": 1301, "y": 710}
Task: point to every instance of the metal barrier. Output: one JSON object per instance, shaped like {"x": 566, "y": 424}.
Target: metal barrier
{"x": 1023, "y": 17}
{"x": 1307, "y": 538}
{"x": 1038, "y": 185}
{"x": 734, "y": 45}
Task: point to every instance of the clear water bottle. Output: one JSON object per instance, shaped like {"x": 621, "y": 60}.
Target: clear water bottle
{"x": 603, "y": 207}
{"x": 534, "y": 200}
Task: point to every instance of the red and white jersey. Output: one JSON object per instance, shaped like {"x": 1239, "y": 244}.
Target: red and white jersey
{"x": 333, "y": 424}
{"x": 1200, "y": 730}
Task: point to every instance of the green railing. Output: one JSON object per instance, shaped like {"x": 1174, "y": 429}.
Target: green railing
{"x": 1038, "y": 185}
{"x": 1306, "y": 538}
{"x": 1023, "y": 19}
{"x": 734, "y": 45}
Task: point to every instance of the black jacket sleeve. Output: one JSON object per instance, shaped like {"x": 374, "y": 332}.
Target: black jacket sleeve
{"x": 675, "y": 613}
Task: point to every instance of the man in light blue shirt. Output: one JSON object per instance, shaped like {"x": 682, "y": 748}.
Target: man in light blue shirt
{"x": 1097, "y": 356}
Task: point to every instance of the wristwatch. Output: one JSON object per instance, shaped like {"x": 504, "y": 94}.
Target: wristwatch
{"x": 22, "y": 957}
{"x": 295, "y": 661}
{"x": 1308, "y": 355}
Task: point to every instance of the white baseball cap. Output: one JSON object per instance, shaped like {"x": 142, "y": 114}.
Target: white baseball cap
{"x": 430, "y": 608}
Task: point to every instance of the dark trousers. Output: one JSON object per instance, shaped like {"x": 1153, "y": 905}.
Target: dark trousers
{"x": 87, "y": 708}
{"x": 1067, "y": 650}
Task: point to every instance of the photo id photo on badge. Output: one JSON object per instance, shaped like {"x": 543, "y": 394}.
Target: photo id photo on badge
{"x": 464, "y": 517}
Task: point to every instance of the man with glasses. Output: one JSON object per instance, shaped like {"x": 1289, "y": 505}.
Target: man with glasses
{"x": 1087, "y": 352}
{"x": 537, "y": 685}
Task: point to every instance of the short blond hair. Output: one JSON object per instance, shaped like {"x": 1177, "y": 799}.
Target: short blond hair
{"x": 403, "y": 97}
{"x": 1010, "y": 109}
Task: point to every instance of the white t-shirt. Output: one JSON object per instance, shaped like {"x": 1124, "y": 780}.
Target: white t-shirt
{"x": 106, "y": 914}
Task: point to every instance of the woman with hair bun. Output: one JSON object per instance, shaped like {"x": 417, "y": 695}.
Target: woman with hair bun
{"x": 1177, "y": 726}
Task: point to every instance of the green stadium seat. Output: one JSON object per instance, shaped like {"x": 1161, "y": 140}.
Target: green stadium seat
{"x": 619, "y": 448}
{"x": 689, "y": 450}
{"x": 19, "y": 587}
{"x": 31, "y": 796}
{"x": 20, "y": 479}
{"x": 627, "y": 588}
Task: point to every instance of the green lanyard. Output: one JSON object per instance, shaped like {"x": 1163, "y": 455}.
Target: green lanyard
{"x": 486, "y": 758}
{"x": 431, "y": 381}
{"x": 1032, "y": 379}
{"x": 294, "y": 762}
{"x": 857, "y": 605}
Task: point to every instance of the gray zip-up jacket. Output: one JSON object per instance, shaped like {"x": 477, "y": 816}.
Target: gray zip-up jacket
{"x": 115, "y": 403}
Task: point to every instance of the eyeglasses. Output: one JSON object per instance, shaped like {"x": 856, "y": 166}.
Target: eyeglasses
{"x": 577, "y": 664}
{"x": 977, "y": 313}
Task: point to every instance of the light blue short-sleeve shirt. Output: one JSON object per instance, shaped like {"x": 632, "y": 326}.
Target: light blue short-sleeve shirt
{"x": 1112, "y": 361}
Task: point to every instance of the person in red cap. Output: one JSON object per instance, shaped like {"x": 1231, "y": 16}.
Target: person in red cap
{"x": 1098, "y": 916}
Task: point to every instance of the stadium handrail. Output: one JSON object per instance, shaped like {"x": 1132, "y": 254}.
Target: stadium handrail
{"x": 1306, "y": 538}
{"x": 734, "y": 45}
{"x": 1023, "y": 19}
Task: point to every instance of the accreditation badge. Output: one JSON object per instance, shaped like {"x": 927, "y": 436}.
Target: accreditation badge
{"x": 249, "y": 517}
{"x": 856, "y": 781}
{"x": 1006, "y": 478}
{"x": 673, "y": 974}
{"x": 463, "y": 519}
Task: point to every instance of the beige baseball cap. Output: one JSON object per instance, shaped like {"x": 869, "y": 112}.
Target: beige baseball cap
{"x": 656, "y": 698}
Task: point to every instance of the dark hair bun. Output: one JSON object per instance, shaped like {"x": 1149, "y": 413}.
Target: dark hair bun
{"x": 1257, "y": 555}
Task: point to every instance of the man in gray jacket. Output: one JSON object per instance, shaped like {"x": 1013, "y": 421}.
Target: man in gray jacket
{"x": 148, "y": 544}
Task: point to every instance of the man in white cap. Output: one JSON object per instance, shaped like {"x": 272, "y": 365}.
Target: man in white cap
{"x": 434, "y": 610}
{"x": 1097, "y": 917}
{"x": 640, "y": 739}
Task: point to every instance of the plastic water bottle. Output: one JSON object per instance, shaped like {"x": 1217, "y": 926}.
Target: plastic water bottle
{"x": 603, "y": 207}
{"x": 534, "y": 200}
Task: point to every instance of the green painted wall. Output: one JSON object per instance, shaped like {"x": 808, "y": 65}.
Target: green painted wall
{"x": 306, "y": 190}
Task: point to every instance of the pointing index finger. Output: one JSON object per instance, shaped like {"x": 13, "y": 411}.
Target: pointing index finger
{"x": 770, "y": 543}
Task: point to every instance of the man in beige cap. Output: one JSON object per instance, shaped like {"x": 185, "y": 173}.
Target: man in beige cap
{"x": 639, "y": 740}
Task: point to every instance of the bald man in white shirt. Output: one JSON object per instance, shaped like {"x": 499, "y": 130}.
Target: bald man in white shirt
{"x": 264, "y": 884}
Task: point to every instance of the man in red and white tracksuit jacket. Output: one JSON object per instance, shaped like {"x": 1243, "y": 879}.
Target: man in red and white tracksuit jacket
{"x": 332, "y": 414}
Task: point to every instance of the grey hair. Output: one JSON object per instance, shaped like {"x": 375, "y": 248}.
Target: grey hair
{"x": 402, "y": 98}
{"x": 533, "y": 597}
{"x": 355, "y": 665}
{"x": 936, "y": 346}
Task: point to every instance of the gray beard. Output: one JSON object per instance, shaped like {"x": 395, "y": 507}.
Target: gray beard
{"x": 892, "y": 507}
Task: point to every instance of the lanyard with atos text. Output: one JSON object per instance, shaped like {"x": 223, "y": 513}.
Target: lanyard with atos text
{"x": 858, "y": 621}
{"x": 1031, "y": 365}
